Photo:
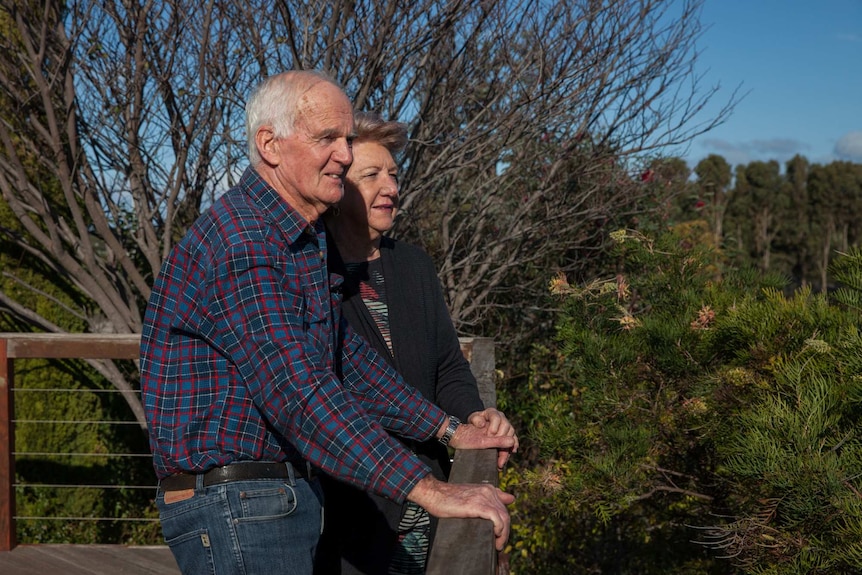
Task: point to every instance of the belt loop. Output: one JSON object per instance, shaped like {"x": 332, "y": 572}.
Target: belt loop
{"x": 291, "y": 473}
{"x": 199, "y": 482}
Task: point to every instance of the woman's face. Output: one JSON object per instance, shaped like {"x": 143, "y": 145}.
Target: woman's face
{"x": 370, "y": 190}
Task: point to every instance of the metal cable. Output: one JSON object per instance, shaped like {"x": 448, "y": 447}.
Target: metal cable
{"x": 136, "y": 519}
{"x": 85, "y": 485}
{"x": 45, "y": 453}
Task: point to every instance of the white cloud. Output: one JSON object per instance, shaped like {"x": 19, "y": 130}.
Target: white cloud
{"x": 849, "y": 146}
{"x": 733, "y": 153}
{"x": 744, "y": 152}
{"x": 850, "y": 37}
{"x": 783, "y": 147}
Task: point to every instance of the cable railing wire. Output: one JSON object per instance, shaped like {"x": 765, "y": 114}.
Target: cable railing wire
{"x": 85, "y": 485}
{"x": 66, "y": 389}
{"x": 84, "y": 518}
{"x": 76, "y": 421}
{"x": 53, "y": 455}
{"x": 63, "y": 453}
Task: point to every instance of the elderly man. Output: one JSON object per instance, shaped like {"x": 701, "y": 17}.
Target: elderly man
{"x": 252, "y": 382}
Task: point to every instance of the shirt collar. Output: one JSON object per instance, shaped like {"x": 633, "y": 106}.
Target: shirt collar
{"x": 277, "y": 208}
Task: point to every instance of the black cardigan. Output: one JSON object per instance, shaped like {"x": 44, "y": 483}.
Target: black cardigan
{"x": 359, "y": 526}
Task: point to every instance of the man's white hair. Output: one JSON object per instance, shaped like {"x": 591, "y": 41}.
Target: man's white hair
{"x": 275, "y": 103}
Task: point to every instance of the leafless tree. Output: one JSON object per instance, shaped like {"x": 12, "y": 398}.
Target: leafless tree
{"x": 122, "y": 107}
{"x": 527, "y": 119}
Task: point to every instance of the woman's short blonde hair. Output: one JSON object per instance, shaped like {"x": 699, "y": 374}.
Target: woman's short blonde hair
{"x": 370, "y": 127}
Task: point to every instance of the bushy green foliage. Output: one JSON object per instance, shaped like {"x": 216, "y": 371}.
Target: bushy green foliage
{"x": 693, "y": 419}
{"x": 67, "y": 450}
{"x": 847, "y": 270}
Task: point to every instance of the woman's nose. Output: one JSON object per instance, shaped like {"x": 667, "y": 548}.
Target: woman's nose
{"x": 390, "y": 185}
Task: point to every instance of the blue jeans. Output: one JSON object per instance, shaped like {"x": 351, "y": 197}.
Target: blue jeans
{"x": 256, "y": 527}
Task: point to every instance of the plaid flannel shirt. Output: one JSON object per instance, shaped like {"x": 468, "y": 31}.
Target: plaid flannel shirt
{"x": 245, "y": 355}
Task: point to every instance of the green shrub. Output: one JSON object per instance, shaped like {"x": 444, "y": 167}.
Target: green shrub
{"x": 695, "y": 420}
{"x": 67, "y": 449}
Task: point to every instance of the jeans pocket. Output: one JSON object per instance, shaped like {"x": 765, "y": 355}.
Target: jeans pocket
{"x": 192, "y": 552}
{"x": 267, "y": 503}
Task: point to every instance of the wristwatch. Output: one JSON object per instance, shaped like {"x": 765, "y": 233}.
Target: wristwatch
{"x": 454, "y": 422}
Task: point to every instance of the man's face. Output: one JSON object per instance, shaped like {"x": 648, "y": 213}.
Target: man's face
{"x": 314, "y": 159}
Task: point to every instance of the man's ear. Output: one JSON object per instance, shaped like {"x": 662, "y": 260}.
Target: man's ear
{"x": 267, "y": 145}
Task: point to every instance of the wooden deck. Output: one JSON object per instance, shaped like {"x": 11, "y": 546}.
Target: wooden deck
{"x": 88, "y": 560}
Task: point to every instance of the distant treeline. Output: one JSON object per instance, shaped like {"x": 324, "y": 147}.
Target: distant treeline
{"x": 792, "y": 221}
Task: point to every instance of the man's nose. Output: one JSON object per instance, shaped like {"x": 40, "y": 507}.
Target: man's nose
{"x": 343, "y": 153}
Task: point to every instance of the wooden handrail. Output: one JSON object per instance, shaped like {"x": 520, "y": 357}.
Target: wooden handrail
{"x": 71, "y": 346}
{"x": 470, "y": 540}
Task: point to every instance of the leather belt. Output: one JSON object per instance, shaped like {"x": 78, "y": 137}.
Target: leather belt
{"x": 240, "y": 471}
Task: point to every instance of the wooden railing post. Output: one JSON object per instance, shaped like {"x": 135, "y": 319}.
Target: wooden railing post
{"x": 7, "y": 449}
{"x": 466, "y": 546}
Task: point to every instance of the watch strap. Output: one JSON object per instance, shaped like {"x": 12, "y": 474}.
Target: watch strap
{"x": 454, "y": 422}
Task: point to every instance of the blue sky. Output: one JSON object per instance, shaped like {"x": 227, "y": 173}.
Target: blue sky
{"x": 800, "y": 64}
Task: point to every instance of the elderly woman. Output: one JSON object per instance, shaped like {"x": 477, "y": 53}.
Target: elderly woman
{"x": 393, "y": 298}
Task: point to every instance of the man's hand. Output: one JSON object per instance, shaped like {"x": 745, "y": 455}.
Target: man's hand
{"x": 495, "y": 423}
{"x": 465, "y": 500}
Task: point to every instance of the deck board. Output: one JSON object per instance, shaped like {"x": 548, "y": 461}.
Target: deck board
{"x": 88, "y": 560}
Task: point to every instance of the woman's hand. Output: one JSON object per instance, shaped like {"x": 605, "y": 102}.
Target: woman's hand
{"x": 495, "y": 423}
